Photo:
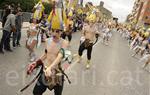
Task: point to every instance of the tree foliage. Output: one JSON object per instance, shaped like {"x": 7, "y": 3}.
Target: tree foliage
{"x": 26, "y": 5}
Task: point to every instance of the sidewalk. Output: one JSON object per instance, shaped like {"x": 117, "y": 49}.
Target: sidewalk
{"x": 25, "y": 25}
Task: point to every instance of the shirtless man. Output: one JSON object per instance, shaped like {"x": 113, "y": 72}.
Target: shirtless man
{"x": 53, "y": 55}
{"x": 88, "y": 36}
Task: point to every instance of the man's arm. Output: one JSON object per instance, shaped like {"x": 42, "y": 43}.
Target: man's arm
{"x": 12, "y": 21}
{"x": 13, "y": 28}
{"x": 83, "y": 31}
{"x": 37, "y": 63}
{"x": 44, "y": 55}
{"x": 56, "y": 61}
{"x": 60, "y": 55}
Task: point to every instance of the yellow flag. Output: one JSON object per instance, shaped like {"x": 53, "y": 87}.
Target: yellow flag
{"x": 39, "y": 9}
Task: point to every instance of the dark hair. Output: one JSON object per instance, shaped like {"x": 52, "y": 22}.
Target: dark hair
{"x": 14, "y": 12}
{"x": 7, "y": 11}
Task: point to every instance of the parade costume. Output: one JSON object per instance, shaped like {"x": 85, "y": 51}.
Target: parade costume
{"x": 87, "y": 43}
{"x": 43, "y": 83}
{"x": 57, "y": 17}
{"x": 56, "y": 80}
{"x": 32, "y": 37}
{"x": 39, "y": 9}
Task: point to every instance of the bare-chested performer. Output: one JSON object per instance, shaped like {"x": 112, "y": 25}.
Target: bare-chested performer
{"x": 88, "y": 36}
{"x": 54, "y": 53}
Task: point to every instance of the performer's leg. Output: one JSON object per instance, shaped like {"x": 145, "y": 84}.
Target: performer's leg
{"x": 89, "y": 52}
{"x": 31, "y": 50}
{"x": 142, "y": 52}
{"x": 59, "y": 88}
{"x": 80, "y": 51}
{"x": 146, "y": 63}
{"x": 40, "y": 87}
{"x": 69, "y": 37}
{"x": 63, "y": 35}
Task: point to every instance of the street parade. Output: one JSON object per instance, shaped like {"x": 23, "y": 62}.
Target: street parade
{"x": 74, "y": 47}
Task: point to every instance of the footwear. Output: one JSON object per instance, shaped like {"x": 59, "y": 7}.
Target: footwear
{"x": 9, "y": 50}
{"x": 88, "y": 64}
{"x": 14, "y": 47}
{"x": 133, "y": 55}
{"x": 33, "y": 57}
{"x": 79, "y": 59}
{"x": 1, "y": 51}
{"x": 18, "y": 45}
{"x": 106, "y": 44}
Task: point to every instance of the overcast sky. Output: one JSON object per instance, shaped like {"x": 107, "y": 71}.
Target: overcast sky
{"x": 119, "y": 8}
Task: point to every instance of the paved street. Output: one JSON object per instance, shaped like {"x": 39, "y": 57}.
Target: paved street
{"x": 113, "y": 71}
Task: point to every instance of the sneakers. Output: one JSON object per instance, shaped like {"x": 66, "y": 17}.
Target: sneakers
{"x": 32, "y": 57}
{"x": 79, "y": 59}
{"x": 14, "y": 47}
{"x": 133, "y": 55}
{"x": 18, "y": 45}
{"x": 88, "y": 64}
{"x": 106, "y": 44}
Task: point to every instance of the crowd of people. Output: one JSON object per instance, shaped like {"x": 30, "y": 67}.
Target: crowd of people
{"x": 139, "y": 41}
{"x": 57, "y": 26}
{"x": 11, "y": 25}
{"x": 52, "y": 30}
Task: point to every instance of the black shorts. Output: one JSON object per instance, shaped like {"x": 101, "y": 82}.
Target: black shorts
{"x": 41, "y": 86}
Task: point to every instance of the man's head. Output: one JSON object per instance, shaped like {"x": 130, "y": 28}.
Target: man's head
{"x": 56, "y": 33}
{"x": 19, "y": 11}
{"x": 8, "y": 11}
{"x": 34, "y": 21}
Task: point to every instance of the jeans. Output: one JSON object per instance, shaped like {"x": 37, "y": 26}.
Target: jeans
{"x": 14, "y": 38}
{"x": 5, "y": 40}
{"x": 18, "y": 36}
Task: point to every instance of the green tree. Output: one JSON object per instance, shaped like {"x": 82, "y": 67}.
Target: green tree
{"x": 48, "y": 8}
{"x": 26, "y": 5}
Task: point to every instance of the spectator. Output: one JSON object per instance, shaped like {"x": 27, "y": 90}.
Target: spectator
{"x": 8, "y": 27}
{"x": 19, "y": 21}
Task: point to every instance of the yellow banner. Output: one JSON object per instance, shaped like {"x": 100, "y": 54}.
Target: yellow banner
{"x": 73, "y": 3}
